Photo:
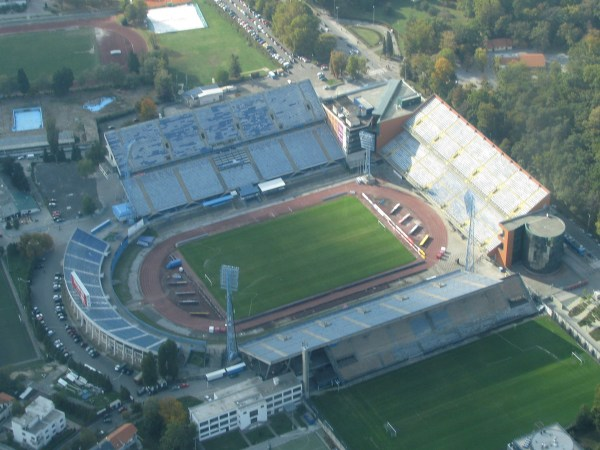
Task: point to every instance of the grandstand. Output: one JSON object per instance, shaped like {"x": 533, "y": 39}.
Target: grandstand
{"x": 84, "y": 255}
{"x": 443, "y": 156}
{"x": 394, "y": 328}
{"x": 176, "y": 162}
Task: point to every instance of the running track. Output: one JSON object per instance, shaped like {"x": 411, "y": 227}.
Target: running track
{"x": 154, "y": 295}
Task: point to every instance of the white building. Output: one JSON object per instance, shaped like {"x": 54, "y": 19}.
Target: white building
{"x": 244, "y": 404}
{"x": 40, "y": 423}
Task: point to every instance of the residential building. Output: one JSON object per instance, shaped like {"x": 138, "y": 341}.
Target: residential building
{"x": 245, "y": 404}
{"x": 6, "y": 402}
{"x": 123, "y": 438}
{"x": 40, "y": 423}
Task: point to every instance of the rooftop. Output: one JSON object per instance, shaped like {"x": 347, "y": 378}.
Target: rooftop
{"x": 539, "y": 222}
{"x": 242, "y": 394}
{"x": 533, "y": 60}
{"x": 383, "y": 309}
{"x": 122, "y": 435}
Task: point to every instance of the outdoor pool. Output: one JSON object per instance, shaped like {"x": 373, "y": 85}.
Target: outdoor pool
{"x": 25, "y": 119}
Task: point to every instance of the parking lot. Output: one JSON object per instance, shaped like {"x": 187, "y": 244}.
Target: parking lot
{"x": 63, "y": 189}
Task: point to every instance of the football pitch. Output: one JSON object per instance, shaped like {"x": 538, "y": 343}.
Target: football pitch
{"x": 17, "y": 346}
{"x": 481, "y": 395}
{"x": 201, "y": 53}
{"x": 41, "y": 53}
{"x": 297, "y": 255}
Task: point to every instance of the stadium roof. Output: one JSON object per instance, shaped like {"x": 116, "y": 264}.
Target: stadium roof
{"x": 182, "y": 160}
{"x": 384, "y": 309}
{"x": 84, "y": 256}
{"x": 443, "y": 155}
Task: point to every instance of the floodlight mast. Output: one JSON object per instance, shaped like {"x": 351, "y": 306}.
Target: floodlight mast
{"x": 469, "y": 199}
{"x": 229, "y": 282}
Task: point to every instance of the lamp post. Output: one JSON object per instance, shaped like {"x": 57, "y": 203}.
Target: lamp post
{"x": 373, "y": 13}
{"x": 587, "y": 230}
{"x": 337, "y": 13}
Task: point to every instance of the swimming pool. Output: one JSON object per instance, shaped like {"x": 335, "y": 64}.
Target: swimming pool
{"x": 25, "y": 119}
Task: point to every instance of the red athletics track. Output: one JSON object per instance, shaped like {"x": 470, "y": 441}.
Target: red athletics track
{"x": 124, "y": 38}
{"x": 150, "y": 279}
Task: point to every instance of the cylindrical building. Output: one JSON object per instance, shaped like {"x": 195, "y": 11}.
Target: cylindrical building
{"x": 543, "y": 246}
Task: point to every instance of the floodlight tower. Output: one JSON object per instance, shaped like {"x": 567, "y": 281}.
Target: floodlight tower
{"x": 367, "y": 142}
{"x": 229, "y": 282}
{"x": 470, "y": 206}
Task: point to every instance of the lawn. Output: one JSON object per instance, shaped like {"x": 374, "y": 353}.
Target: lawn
{"x": 367, "y": 35}
{"x": 258, "y": 435}
{"x": 228, "y": 441}
{"x": 17, "y": 346}
{"x": 481, "y": 395}
{"x": 199, "y": 54}
{"x": 41, "y": 53}
{"x": 298, "y": 255}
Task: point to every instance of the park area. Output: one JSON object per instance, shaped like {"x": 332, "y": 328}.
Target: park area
{"x": 16, "y": 346}
{"x": 199, "y": 54}
{"x": 482, "y": 395}
{"x": 297, "y": 256}
{"x": 41, "y": 53}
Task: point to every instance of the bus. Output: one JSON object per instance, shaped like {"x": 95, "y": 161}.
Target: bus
{"x": 424, "y": 241}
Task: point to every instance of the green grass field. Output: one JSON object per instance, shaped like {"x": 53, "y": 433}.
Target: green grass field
{"x": 17, "y": 346}
{"x": 199, "y": 54}
{"x": 481, "y": 395}
{"x": 298, "y": 255}
{"x": 42, "y": 53}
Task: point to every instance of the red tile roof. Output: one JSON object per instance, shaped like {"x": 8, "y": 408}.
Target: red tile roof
{"x": 122, "y": 435}
{"x": 5, "y": 398}
{"x": 533, "y": 60}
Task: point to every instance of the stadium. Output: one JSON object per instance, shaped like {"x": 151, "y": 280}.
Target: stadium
{"x": 267, "y": 157}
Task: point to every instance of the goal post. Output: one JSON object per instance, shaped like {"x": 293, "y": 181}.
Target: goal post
{"x": 390, "y": 429}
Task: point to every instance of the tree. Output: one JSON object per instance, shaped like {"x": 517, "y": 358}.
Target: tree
{"x": 88, "y": 206}
{"x": 85, "y": 439}
{"x": 443, "y": 77}
{"x": 179, "y": 436}
{"x": 96, "y": 153}
{"x": 337, "y": 63}
{"x": 584, "y": 421}
{"x": 324, "y": 46}
{"x": 124, "y": 394}
{"x": 22, "y": 81}
{"x": 595, "y": 410}
{"x": 222, "y": 77}
{"x": 149, "y": 373}
{"x": 167, "y": 359}
{"x": 356, "y": 66}
{"x": 15, "y": 171}
{"x": 163, "y": 83}
{"x": 389, "y": 45}
{"x": 420, "y": 37}
{"x": 136, "y": 11}
{"x": 76, "y": 153}
{"x": 52, "y": 136}
{"x": 152, "y": 424}
{"x": 147, "y": 109}
{"x": 34, "y": 245}
{"x": 172, "y": 411}
{"x": 133, "y": 62}
{"x": 296, "y": 25}
{"x": 480, "y": 58}
{"x": 235, "y": 69}
{"x": 62, "y": 80}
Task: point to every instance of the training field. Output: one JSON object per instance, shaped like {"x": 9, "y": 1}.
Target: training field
{"x": 16, "y": 346}
{"x": 481, "y": 395}
{"x": 199, "y": 54}
{"x": 43, "y": 52}
{"x": 298, "y": 255}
